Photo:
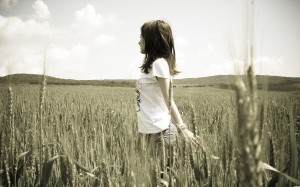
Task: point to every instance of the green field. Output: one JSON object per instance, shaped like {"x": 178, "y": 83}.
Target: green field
{"x": 89, "y": 137}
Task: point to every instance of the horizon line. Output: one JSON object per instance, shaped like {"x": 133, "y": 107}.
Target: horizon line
{"x": 136, "y": 78}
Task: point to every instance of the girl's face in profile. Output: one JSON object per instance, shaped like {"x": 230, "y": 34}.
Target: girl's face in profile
{"x": 142, "y": 45}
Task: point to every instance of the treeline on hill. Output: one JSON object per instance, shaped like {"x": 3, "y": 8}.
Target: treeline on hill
{"x": 271, "y": 83}
{"x": 264, "y": 82}
{"x": 36, "y": 79}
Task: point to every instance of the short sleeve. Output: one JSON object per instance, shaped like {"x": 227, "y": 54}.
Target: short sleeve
{"x": 160, "y": 68}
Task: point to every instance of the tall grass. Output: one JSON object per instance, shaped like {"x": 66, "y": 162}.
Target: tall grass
{"x": 249, "y": 126}
{"x": 95, "y": 129}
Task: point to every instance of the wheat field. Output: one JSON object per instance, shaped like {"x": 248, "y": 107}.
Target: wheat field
{"x": 87, "y": 136}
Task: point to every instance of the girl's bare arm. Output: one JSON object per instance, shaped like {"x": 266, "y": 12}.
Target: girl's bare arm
{"x": 175, "y": 115}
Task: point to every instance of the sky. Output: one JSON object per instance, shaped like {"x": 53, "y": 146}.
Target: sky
{"x": 98, "y": 39}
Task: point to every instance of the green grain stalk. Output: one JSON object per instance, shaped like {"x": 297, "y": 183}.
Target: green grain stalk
{"x": 294, "y": 153}
{"x": 12, "y": 134}
{"x": 105, "y": 176}
{"x": 248, "y": 128}
{"x": 41, "y": 106}
{"x": 7, "y": 166}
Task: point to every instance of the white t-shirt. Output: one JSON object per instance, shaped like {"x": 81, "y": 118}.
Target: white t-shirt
{"x": 152, "y": 112}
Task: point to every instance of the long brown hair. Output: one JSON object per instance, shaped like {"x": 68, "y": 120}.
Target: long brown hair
{"x": 159, "y": 43}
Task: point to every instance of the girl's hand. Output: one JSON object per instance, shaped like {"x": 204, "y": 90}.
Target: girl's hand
{"x": 190, "y": 137}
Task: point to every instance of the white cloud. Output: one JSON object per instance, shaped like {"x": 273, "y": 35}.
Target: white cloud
{"x": 79, "y": 51}
{"x": 57, "y": 53}
{"x": 23, "y": 60}
{"x": 209, "y": 36}
{"x": 15, "y": 29}
{"x": 104, "y": 39}
{"x": 3, "y": 70}
{"x": 269, "y": 65}
{"x": 72, "y": 50}
{"x": 23, "y": 41}
{"x": 7, "y": 4}
{"x": 89, "y": 16}
{"x": 41, "y": 11}
{"x": 21, "y": 45}
{"x": 67, "y": 62}
{"x": 88, "y": 24}
{"x": 73, "y": 54}
{"x": 223, "y": 68}
{"x": 181, "y": 43}
{"x": 233, "y": 66}
{"x": 133, "y": 69}
{"x": 210, "y": 46}
{"x": 262, "y": 65}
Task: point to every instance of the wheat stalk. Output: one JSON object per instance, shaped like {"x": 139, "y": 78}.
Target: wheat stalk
{"x": 248, "y": 128}
{"x": 41, "y": 105}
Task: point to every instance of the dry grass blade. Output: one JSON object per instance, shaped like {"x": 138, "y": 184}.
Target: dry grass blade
{"x": 92, "y": 175}
{"x": 22, "y": 155}
{"x": 47, "y": 169}
{"x": 81, "y": 166}
{"x": 268, "y": 167}
{"x": 294, "y": 154}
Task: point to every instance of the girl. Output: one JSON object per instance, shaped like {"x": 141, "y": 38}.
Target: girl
{"x": 157, "y": 114}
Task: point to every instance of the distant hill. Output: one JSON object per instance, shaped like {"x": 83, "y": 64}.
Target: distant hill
{"x": 265, "y": 82}
{"x": 37, "y": 79}
{"x": 274, "y": 83}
